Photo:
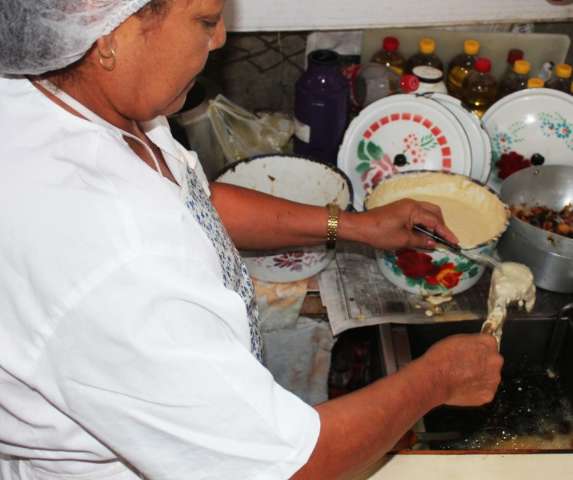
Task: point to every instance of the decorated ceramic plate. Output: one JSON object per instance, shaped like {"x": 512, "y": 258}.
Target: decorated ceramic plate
{"x": 479, "y": 140}
{"x": 401, "y": 133}
{"x": 529, "y": 127}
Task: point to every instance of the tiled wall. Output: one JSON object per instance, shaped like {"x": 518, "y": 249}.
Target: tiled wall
{"x": 258, "y": 71}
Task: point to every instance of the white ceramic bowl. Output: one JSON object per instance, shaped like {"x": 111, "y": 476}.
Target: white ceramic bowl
{"x": 301, "y": 180}
{"x": 430, "y": 272}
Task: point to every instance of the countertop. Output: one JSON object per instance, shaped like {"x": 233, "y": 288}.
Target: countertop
{"x": 478, "y": 467}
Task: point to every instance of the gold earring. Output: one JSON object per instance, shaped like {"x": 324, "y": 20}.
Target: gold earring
{"x": 107, "y": 60}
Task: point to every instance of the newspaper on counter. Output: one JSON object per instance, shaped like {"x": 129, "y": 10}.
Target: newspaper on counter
{"x": 356, "y": 294}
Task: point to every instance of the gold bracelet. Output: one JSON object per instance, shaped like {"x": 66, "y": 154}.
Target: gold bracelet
{"x": 332, "y": 225}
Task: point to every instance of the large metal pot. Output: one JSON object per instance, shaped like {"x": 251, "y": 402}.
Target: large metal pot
{"x": 549, "y": 256}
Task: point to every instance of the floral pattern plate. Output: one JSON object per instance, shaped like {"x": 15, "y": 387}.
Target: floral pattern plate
{"x": 398, "y": 134}
{"x": 529, "y": 122}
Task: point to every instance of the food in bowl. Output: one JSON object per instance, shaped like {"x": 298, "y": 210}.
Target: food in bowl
{"x": 558, "y": 222}
{"x": 473, "y": 212}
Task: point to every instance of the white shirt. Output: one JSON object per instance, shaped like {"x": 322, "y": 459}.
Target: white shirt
{"x": 118, "y": 339}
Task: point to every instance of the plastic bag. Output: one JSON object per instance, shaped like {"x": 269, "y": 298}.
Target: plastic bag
{"x": 242, "y": 134}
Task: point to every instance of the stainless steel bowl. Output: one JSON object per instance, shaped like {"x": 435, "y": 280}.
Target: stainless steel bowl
{"x": 549, "y": 256}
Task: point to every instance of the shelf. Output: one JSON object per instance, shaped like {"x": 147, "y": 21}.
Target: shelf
{"x": 283, "y": 15}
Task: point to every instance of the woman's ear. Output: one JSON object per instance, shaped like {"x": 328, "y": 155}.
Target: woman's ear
{"x": 106, "y": 51}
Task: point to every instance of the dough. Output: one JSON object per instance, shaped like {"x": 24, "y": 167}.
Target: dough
{"x": 471, "y": 211}
{"x": 510, "y": 282}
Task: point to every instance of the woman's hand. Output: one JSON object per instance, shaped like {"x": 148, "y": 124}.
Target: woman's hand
{"x": 390, "y": 227}
{"x": 467, "y": 368}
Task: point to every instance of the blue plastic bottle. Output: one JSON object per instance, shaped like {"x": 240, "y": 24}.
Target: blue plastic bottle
{"x": 321, "y": 110}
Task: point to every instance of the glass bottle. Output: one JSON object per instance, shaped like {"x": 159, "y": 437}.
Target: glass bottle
{"x": 561, "y": 78}
{"x": 479, "y": 89}
{"x": 321, "y": 108}
{"x": 535, "y": 82}
{"x": 516, "y": 79}
{"x": 460, "y": 66}
{"x": 425, "y": 56}
{"x": 377, "y": 81}
{"x": 389, "y": 55}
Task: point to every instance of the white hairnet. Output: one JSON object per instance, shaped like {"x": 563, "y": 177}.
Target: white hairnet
{"x": 38, "y": 36}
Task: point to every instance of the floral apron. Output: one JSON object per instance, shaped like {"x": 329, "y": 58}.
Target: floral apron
{"x": 235, "y": 274}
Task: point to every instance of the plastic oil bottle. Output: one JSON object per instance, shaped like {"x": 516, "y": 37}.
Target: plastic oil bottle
{"x": 390, "y": 56}
{"x": 561, "y": 78}
{"x": 377, "y": 81}
{"x": 516, "y": 79}
{"x": 512, "y": 56}
{"x": 479, "y": 90}
{"x": 426, "y": 56}
{"x": 460, "y": 66}
{"x": 535, "y": 82}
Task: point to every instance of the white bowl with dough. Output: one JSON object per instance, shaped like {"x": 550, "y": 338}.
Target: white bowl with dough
{"x": 472, "y": 211}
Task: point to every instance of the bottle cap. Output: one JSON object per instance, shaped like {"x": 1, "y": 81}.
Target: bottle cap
{"x": 427, "y": 46}
{"x": 513, "y": 55}
{"x": 562, "y": 70}
{"x": 535, "y": 82}
{"x": 323, "y": 57}
{"x": 390, "y": 44}
{"x": 471, "y": 47}
{"x": 483, "y": 65}
{"x": 409, "y": 83}
{"x": 522, "y": 67}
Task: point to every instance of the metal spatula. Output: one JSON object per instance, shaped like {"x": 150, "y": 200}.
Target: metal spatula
{"x": 475, "y": 256}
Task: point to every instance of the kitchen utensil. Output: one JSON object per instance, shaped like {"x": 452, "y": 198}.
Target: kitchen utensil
{"x": 298, "y": 179}
{"x": 398, "y": 134}
{"x": 531, "y": 122}
{"x": 475, "y": 256}
{"x": 548, "y": 255}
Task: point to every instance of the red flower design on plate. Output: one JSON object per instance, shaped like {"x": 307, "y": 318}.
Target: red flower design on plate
{"x": 290, "y": 260}
{"x": 415, "y": 264}
{"x": 447, "y": 276}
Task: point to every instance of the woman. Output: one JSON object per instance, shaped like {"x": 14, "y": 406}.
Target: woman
{"x": 128, "y": 335}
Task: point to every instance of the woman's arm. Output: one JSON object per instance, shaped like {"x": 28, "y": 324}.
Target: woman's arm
{"x": 359, "y": 428}
{"x": 259, "y": 221}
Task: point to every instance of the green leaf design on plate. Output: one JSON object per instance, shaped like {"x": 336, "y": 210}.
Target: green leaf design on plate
{"x": 473, "y": 272}
{"x": 429, "y": 286}
{"x": 441, "y": 262}
{"x": 363, "y": 167}
{"x": 374, "y": 151}
{"x": 428, "y": 142}
{"x": 464, "y": 266}
{"x": 413, "y": 282}
{"x": 362, "y": 151}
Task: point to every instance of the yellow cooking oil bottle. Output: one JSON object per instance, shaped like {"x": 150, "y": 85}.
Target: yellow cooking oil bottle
{"x": 516, "y": 79}
{"x": 479, "y": 90}
{"x": 460, "y": 66}
{"x": 389, "y": 55}
{"x": 426, "y": 56}
{"x": 561, "y": 78}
